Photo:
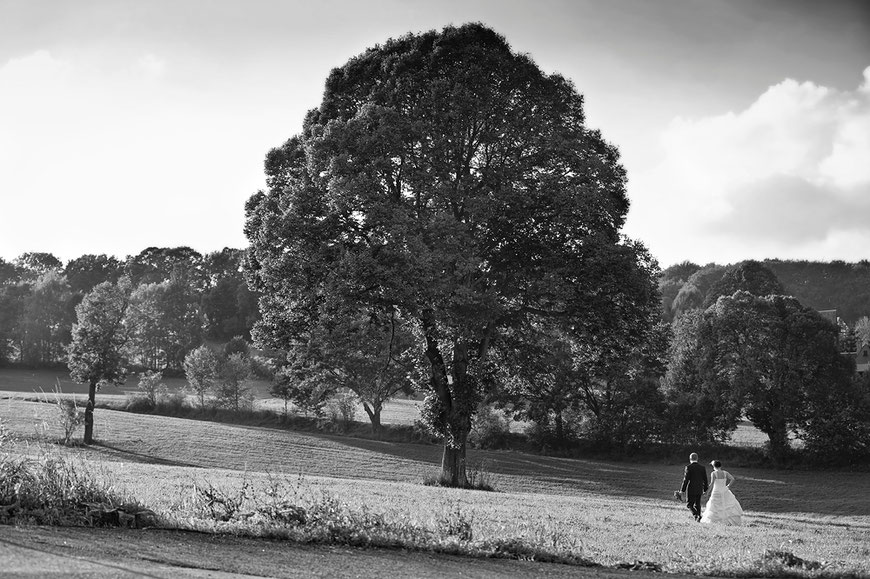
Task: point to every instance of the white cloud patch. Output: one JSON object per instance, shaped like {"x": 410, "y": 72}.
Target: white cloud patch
{"x": 788, "y": 177}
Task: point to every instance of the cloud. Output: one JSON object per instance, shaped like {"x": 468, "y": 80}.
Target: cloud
{"x": 787, "y": 177}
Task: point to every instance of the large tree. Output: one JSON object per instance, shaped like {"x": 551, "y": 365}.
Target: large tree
{"x": 766, "y": 357}
{"x": 95, "y": 355}
{"x": 448, "y": 177}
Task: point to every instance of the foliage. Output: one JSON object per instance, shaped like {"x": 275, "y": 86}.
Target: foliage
{"x": 36, "y": 316}
{"x": 489, "y": 428}
{"x": 371, "y": 354}
{"x": 694, "y": 292}
{"x": 201, "y": 370}
{"x": 298, "y": 382}
{"x": 447, "y": 177}
{"x": 34, "y": 264}
{"x": 13, "y": 297}
{"x": 161, "y": 264}
{"x": 87, "y": 271}
{"x": 609, "y": 390}
{"x": 237, "y": 345}
{"x": 229, "y": 307}
{"x": 671, "y": 280}
{"x": 165, "y": 324}
{"x": 836, "y": 428}
{"x": 700, "y": 407}
{"x": 45, "y": 320}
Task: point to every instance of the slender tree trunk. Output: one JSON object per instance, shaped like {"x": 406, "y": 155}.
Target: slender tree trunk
{"x": 560, "y": 426}
{"x": 779, "y": 445}
{"x": 89, "y": 412}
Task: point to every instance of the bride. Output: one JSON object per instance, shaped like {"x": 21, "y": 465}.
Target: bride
{"x": 722, "y": 506}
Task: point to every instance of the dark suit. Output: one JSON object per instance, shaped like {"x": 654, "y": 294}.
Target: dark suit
{"x": 694, "y": 485}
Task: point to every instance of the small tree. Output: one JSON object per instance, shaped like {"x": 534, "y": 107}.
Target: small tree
{"x": 232, "y": 389}
{"x": 98, "y": 340}
{"x": 282, "y": 387}
{"x": 201, "y": 370}
{"x": 152, "y": 387}
{"x": 371, "y": 354}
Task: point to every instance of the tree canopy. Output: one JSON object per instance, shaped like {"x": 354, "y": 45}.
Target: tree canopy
{"x": 450, "y": 178}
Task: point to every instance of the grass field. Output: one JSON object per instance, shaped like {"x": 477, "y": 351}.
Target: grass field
{"x": 607, "y": 511}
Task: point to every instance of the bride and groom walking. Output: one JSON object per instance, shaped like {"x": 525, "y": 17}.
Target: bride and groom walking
{"x": 722, "y": 506}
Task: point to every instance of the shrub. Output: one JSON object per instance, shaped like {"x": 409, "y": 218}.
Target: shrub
{"x": 237, "y": 345}
{"x": 455, "y": 523}
{"x": 5, "y": 435}
{"x": 342, "y": 408}
{"x": 152, "y": 388}
{"x": 69, "y": 417}
{"x": 489, "y": 429}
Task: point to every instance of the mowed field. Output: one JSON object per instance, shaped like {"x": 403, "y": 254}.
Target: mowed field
{"x": 612, "y": 511}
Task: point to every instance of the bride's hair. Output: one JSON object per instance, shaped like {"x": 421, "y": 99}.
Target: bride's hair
{"x": 716, "y": 463}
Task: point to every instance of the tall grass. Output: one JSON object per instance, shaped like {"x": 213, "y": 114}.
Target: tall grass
{"x": 52, "y": 489}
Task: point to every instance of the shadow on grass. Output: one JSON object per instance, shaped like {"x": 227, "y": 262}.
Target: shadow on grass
{"x": 125, "y": 455}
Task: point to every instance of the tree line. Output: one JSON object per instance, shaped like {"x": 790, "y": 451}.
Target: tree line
{"x": 179, "y": 298}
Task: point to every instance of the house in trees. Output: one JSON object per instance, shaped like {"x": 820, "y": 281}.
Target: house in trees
{"x": 862, "y": 359}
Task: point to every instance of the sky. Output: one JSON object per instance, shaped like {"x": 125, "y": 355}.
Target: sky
{"x": 744, "y": 125}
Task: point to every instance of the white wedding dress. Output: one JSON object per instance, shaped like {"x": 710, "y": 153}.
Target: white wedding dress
{"x": 722, "y": 506}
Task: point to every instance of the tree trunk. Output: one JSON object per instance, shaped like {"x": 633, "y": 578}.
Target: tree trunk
{"x": 374, "y": 413}
{"x": 453, "y": 471}
{"x": 778, "y": 442}
{"x": 560, "y": 426}
{"x": 89, "y": 412}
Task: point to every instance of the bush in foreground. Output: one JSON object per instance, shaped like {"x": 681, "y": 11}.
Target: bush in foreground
{"x": 52, "y": 490}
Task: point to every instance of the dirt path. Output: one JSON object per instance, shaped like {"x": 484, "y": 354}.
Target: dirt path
{"x": 109, "y": 553}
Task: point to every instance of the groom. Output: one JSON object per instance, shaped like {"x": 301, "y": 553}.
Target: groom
{"x": 694, "y": 485}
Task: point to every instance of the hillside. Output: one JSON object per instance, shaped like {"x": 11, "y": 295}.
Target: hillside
{"x": 835, "y": 285}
